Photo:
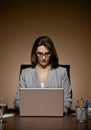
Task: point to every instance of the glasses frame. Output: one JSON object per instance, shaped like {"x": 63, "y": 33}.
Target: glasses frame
{"x": 46, "y": 54}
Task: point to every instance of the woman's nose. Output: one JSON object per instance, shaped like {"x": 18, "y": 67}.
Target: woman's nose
{"x": 43, "y": 57}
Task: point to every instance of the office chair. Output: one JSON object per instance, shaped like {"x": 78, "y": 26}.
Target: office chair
{"x": 24, "y": 66}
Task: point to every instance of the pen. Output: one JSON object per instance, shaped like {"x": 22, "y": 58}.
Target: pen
{"x": 86, "y": 103}
{"x": 81, "y": 102}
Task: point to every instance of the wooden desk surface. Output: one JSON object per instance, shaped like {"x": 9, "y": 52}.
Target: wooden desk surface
{"x": 67, "y": 122}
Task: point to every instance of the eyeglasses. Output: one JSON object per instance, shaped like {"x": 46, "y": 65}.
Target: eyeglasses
{"x": 40, "y": 54}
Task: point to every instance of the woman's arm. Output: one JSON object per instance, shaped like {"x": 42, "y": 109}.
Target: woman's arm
{"x": 67, "y": 92}
{"x": 17, "y": 97}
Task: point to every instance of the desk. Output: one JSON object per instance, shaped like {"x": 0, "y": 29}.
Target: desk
{"x": 67, "y": 122}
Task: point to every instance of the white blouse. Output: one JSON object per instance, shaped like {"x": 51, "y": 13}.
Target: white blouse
{"x": 42, "y": 85}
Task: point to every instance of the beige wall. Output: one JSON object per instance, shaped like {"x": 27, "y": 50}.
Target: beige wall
{"x": 69, "y": 26}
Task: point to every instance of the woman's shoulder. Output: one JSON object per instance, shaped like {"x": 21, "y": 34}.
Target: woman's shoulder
{"x": 61, "y": 70}
{"x": 28, "y": 70}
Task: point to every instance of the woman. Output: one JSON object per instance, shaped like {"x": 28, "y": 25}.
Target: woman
{"x": 45, "y": 71}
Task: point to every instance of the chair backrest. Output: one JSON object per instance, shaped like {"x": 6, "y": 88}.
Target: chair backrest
{"x": 24, "y": 66}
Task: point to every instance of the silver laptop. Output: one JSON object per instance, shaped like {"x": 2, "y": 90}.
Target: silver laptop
{"x": 41, "y": 101}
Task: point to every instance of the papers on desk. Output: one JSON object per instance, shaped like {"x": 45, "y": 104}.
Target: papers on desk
{"x": 89, "y": 112}
{"x": 7, "y": 115}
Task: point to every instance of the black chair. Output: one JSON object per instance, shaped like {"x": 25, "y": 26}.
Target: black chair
{"x": 24, "y": 66}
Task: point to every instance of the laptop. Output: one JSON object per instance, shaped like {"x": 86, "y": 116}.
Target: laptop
{"x": 41, "y": 101}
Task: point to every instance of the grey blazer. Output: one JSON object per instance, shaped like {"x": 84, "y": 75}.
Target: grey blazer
{"x": 57, "y": 78}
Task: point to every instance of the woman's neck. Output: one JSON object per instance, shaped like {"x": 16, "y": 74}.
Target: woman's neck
{"x": 43, "y": 68}
{"x": 43, "y": 72}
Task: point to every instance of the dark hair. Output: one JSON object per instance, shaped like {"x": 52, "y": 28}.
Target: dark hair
{"x": 48, "y": 43}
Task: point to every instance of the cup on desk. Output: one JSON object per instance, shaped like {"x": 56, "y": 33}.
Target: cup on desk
{"x": 81, "y": 114}
{"x": 3, "y": 108}
{"x": 3, "y": 105}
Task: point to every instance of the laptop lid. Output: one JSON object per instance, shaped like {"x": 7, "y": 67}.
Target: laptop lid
{"x": 41, "y": 101}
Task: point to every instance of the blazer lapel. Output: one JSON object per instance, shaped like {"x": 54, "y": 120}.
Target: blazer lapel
{"x": 49, "y": 79}
{"x": 35, "y": 77}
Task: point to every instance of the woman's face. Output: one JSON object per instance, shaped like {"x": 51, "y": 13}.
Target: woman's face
{"x": 43, "y": 55}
